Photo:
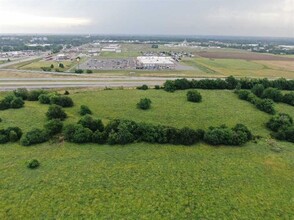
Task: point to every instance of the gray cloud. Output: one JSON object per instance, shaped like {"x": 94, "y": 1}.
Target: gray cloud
{"x": 193, "y": 17}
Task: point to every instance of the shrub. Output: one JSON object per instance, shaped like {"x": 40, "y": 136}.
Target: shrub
{"x": 243, "y": 128}
{"x": 258, "y": 90}
{"x": 63, "y": 101}
{"x": 53, "y": 127}
{"x": 93, "y": 124}
{"x": 157, "y": 87}
{"x": 289, "y": 98}
{"x": 122, "y": 136}
{"x": 34, "y": 94}
{"x": 143, "y": 87}
{"x": 14, "y": 133}
{"x": 61, "y": 65}
{"x": 77, "y": 134}
{"x": 35, "y": 136}
{"x": 3, "y": 137}
{"x": 17, "y": 103}
{"x": 226, "y": 136}
{"x": 79, "y": 71}
{"x": 279, "y": 121}
{"x": 232, "y": 82}
{"x": 169, "y": 86}
{"x": 33, "y": 164}
{"x": 66, "y": 92}
{"x": 266, "y": 105}
{"x": 182, "y": 84}
{"x": 144, "y": 104}
{"x": 56, "y": 112}
{"x": 188, "y": 136}
{"x": 4, "y": 104}
{"x": 194, "y": 96}
{"x": 273, "y": 93}
{"x": 22, "y": 93}
{"x": 89, "y": 71}
{"x": 99, "y": 137}
{"x": 243, "y": 94}
{"x": 44, "y": 99}
{"x": 285, "y": 133}
{"x": 85, "y": 110}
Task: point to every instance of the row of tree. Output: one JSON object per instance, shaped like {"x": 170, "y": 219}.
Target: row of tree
{"x": 228, "y": 83}
{"x": 273, "y": 94}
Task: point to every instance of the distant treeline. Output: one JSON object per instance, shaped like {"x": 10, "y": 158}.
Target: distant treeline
{"x": 228, "y": 83}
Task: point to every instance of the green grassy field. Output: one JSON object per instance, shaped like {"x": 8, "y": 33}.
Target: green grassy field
{"x": 241, "y": 68}
{"x": 146, "y": 181}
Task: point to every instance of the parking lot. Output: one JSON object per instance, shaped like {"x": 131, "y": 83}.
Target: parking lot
{"x": 109, "y": 64}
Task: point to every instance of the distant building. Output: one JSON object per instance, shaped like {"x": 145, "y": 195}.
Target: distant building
{"x": 155, "y": 62}
{"x": 60, "y": 57}
{"x": 112, "y": 48}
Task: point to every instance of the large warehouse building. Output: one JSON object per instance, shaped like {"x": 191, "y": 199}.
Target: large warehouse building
{"x": 155, "y": 62}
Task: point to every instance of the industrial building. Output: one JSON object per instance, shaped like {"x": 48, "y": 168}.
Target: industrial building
{"x": 155, "y": 62}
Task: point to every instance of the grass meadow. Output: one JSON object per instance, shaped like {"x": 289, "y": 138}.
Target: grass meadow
{"x": 149, "y": 181}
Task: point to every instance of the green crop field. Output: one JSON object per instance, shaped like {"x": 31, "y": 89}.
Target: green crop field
{"x": 149, "y": 181}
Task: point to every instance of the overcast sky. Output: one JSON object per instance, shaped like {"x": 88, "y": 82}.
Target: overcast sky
{"x": 167, "y": 17}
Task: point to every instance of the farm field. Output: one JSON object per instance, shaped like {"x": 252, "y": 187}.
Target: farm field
{"x": 143, "y": 180}
{"x": 244, "y": 68}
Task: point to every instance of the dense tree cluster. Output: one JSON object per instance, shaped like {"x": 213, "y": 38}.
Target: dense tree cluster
{"x": 282, "y": 127}
{"x": 125, "y": 132}
{"x": 56, "y": 99}
{"x": 35, "y": 136}
{"x": 11, "y": 101}
{"x": 228, "y": 83}
{"x": 11, "y": 134}
{"x": 266, "y": 105}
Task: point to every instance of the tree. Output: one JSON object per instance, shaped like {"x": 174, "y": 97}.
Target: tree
{"x": 194, "y": 96}
{"x": 61, "y": 65}
{"x": 144, "y": 104}
{"x": 52, "y": 66}
{"x": 56, "y": 112}
{"x": 85, "y": 110}
{"x": 93, "y": 124}
{"x": 53, "y": 127}
{"x": 258, "y": 90}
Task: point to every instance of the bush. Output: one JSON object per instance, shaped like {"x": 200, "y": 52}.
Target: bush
{"x": 157, "y": 87}
{"x": 93, "y": 124}
{"x": 35, "y": 136}
{"x": 61, "y": 65}
{"x": 143, "y": 87}
{"x": 226, "y": 136}
{"x": 44, "y": 99}
{"x": 85, "y": 110}
{"x": 79, "y": 71}
{"x": 56, "y": 112}
{"x": 279, "y": 121}
{"x": 17, "y": 103}
{"x": 273, "y": 93}
{"x": 243, "y": 94}
{"x": 77, "y": 134}
{"x": 258, "y": 90}
{"x": 99, "y": 137}
{"x": 169, "y": 86}
{"x": 289, "y": 98}
{"x": 33, "y": 164}
{"x": 66, "y": 92}
{"x": 122, "y": 136}
{"x": 53, "y": 127}
{"x": 14, "y": 133}
{"x": 266, "y": 105}
{"x": 89, "y": 71}
{"x": 144, "y": 104}
{"x": 194, "y": 96}
{"x": 244, "y": 129}
{"x": 182, "y": 84}
{"x": 4, "y": 104}
{"x": 34, "y": 94}
{"x": 22, "y": 93}
{"x": 188, "y": 136}
{"x": 63, "y": 101}
{"x": 285, "y": 133}
{"x": 3, "y": 137}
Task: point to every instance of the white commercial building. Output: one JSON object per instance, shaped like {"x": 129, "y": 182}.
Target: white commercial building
{"x": 155, "y": 62}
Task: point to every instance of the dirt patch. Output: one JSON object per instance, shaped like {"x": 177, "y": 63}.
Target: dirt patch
{"x": 243, "y": 56}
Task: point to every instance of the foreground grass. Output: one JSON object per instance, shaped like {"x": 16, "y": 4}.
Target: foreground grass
{"x": 145, "y": 181}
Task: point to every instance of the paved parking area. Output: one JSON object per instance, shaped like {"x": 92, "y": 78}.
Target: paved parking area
{"x": 109, "y": 64}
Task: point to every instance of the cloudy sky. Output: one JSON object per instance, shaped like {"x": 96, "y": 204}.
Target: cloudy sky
{"x": 168, "y": 17}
